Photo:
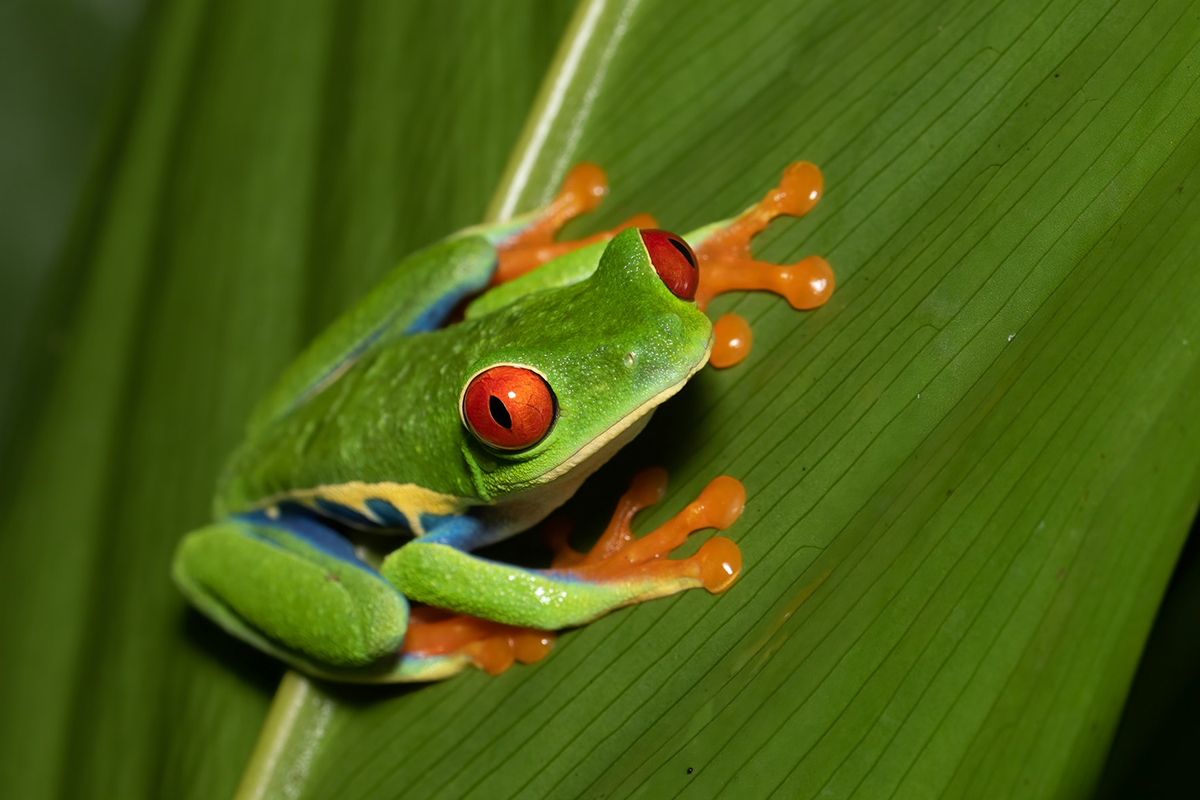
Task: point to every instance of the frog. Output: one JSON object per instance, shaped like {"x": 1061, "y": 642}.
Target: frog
{"x": 459, "y": 403}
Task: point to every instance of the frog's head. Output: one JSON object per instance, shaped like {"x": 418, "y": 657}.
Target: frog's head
{"x": 581, "y": 368}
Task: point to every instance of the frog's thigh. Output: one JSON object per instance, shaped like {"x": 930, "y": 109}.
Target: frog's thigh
{"x": 296, "y": 583}
{"x": 438, "y": 570}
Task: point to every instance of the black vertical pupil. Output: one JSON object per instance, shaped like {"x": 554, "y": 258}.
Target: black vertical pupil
{"x": 683, "y": 250}
{"x": 499, "y": 412}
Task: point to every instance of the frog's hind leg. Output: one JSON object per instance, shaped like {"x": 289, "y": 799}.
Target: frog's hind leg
{"x": 293, "y": 587}
{"x": 618, "y": 571}
{"x": 532, "y": 243}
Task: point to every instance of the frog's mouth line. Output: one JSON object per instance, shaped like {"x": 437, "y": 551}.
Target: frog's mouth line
{"x": 591, "y": 448}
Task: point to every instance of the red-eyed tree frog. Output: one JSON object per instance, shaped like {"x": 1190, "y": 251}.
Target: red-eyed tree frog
{"x": 458, "y": 434}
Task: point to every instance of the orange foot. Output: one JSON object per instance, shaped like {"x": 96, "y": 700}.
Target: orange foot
{"x": 581, "y": 192}
{"x": 724, "y": 256}
{"x": 491, "y": 646}
{"x": 618, "y": 556}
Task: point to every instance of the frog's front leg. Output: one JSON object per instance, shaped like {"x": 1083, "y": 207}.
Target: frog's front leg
{"x": 438, "y": 569}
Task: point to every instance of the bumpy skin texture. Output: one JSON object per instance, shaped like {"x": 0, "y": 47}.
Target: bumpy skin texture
{"x": 394, "y": 414}
{"x": 312, "y": 602}
{"x": 449, "y": 578}
{"x": 364, "y": 428}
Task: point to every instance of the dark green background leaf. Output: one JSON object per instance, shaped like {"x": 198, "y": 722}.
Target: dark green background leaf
{"x": 970, "y": 474}
{"x": 57, "y": 60}
{"x": 269, "y": 167}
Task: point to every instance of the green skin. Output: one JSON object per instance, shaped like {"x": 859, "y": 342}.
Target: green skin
{"x": 371, "y": 411}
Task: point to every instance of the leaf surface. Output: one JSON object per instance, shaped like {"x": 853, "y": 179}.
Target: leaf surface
{"x": 969, "y": 475}
{"x": 271, "y": 161}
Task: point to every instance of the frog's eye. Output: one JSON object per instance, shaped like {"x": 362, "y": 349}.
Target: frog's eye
{"x": 674, "y": 261}
{"x": 508, "y": 407}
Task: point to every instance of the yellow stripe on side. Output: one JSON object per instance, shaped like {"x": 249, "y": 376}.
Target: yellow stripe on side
{"x": 409, "y": 499}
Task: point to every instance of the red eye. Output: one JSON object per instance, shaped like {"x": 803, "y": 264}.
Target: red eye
{"x": 509, "y": 408}
{"x": 674, "y": 261}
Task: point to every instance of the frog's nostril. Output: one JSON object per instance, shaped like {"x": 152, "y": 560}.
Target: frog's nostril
{"x": 630, "y": 359}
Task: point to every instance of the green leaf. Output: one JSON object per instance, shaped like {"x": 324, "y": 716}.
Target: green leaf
{"x": 969, "y": 475}
{"x": 271, "y": 160}
{"x": 51, "y": 103}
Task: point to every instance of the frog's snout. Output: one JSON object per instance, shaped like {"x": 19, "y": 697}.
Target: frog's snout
{"x": 671, "y": 328}
{"x": 671, "y": 346}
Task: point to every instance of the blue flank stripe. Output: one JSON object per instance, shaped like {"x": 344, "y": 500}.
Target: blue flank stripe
{"x": 391, "y": 516}
{"x": 431, "y": 522}
{"x": 432, "y": 317}
{"x": 344, "y": 513}
{"x": 311, "y": 532}
{"x": 462, "y": 532}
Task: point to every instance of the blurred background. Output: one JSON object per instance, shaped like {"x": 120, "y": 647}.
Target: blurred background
{"x": 57, "y": 64}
